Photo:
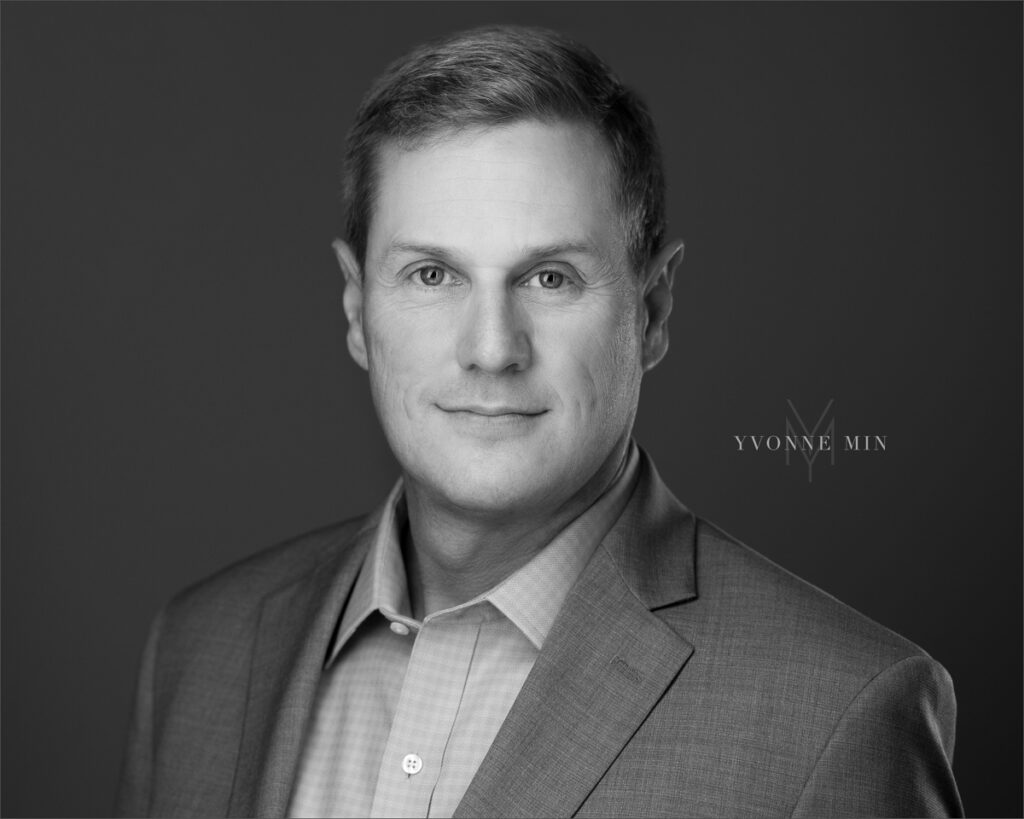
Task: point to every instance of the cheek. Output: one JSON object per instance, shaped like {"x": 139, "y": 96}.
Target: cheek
{"x": 602, "y": 377}
{"x": 392, "y": 354}
{"x": 408, "y": 348}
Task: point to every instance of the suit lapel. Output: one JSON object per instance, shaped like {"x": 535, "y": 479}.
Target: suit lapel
{"x": 605, "y": 664}
{"x": 295, "y": 628}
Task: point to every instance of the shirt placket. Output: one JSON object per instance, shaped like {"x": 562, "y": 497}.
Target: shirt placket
{"x": 432, "y": 692}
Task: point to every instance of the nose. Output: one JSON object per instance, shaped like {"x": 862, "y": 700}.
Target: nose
{"x": 494, "y": 332}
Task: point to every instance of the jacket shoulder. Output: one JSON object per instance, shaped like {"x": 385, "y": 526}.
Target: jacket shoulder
{"x": 771, "y": 605}
{"x": 236, "y": 591}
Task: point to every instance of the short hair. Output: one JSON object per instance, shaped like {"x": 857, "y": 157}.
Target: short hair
{"x": 498, "y": 75}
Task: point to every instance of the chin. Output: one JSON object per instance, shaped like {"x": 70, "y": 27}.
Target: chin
{"x": 492, "y": 481}
{"x": 493, "y": 501}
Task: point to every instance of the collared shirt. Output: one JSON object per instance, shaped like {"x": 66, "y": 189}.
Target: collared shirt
{"x": 407, "y": 710}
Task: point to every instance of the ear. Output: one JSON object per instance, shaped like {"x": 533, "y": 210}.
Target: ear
{"x": 352, "y": 301}
{"x": 657, "y": 303}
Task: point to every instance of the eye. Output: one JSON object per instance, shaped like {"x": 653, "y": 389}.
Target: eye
{"x": 548, "y": 279}
{"x": 431, "y": 275}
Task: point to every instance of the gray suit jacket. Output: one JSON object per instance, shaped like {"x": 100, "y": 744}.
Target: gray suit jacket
{"x": 686, "y": 675}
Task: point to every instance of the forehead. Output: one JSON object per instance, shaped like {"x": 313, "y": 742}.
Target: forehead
{"x": 492, "y": 190}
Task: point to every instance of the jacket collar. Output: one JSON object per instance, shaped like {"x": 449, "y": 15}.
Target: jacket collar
{"x": 653, "y": 543}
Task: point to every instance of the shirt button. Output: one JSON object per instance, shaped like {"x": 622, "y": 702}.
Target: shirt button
{"x": 412, "y": 764}
{"x": 400, "y": 628}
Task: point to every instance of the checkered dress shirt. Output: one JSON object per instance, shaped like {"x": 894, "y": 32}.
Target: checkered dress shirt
{"x": 407, "y": 710}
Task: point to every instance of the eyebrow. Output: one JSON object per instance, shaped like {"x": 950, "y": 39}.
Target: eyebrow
{"x": 531, "y": 254}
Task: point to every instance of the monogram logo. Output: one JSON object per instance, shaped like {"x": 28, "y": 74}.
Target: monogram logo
{"x": 806, "y": 448}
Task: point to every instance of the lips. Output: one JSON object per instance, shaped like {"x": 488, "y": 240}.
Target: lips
{"x": 492, "y": 411}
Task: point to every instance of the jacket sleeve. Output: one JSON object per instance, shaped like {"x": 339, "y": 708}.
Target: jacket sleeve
{"x": 137, "y": 765}
{"x": 891, "y": 752}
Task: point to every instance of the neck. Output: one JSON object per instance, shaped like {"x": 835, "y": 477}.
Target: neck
{"x": 452, "y": 555}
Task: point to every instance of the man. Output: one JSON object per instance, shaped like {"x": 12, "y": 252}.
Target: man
{"x": 531, "y": 624}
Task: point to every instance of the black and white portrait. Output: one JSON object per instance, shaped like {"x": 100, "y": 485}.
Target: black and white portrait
{"x": 570, "y": 409}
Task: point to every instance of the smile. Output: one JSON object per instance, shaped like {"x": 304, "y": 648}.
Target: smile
{"x": 490, "y": 421}
{"x": 493, "y": 412}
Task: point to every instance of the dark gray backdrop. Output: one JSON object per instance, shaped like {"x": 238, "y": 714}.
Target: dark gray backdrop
{"x": 177, "y": 391}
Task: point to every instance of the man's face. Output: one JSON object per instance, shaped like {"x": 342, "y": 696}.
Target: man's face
{"x": 498, "y": 317}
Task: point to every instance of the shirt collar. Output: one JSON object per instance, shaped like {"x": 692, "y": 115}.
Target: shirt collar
{"x": 530, "y": 597}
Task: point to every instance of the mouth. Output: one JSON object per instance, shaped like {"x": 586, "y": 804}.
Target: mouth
{"x": 495, "y": 411}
